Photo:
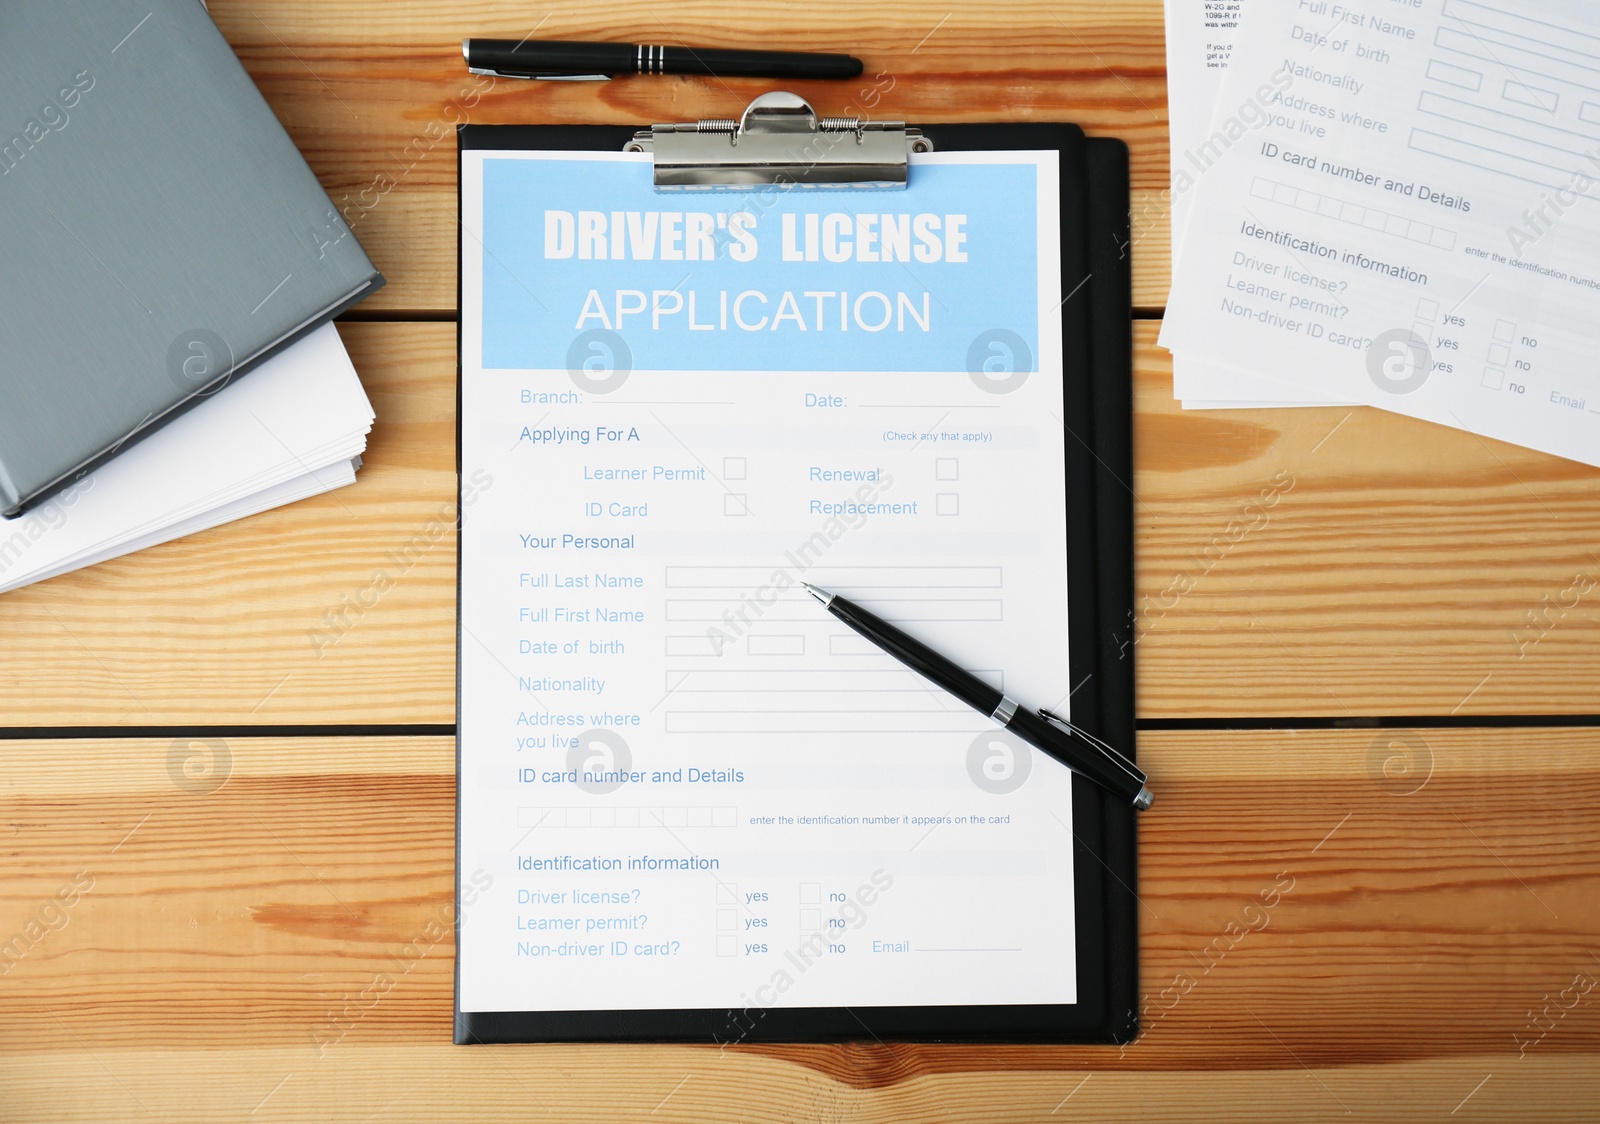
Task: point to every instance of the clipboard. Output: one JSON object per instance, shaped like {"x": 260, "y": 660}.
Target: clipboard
{"x": 780, "y": 140}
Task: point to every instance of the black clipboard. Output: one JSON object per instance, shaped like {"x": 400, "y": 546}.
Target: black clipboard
{"x": 1098, "y": 399}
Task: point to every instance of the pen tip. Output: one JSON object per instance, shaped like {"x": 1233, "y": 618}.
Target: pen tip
{"x": 1143, "y": 800}
{"x": 820, "y": 594}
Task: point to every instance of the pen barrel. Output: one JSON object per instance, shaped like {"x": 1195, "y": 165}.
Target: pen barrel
{"x": 754, "y": 64}
{"x": 1078, "y": 755}
{"x": 552, "y": 56}
{"x": 916, "y": 655}
{"x": 557, "y": 57}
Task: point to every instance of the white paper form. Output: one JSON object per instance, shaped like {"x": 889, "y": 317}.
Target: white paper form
{"x": 1419, "y": 231}
{"x": 1200, "y": 39}
{"x": 683, "y": 784}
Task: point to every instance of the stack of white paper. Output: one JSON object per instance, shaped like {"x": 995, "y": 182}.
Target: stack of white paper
{"x": 1395, "y": 204}
{"x": 293, "y": 427}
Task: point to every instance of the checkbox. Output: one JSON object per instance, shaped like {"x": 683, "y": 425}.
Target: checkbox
{"x": 1499, "y": 355}
{"x": 1504, "y": 331}
{"x": 733, "y": 468}
{"x": 1423, "y": 332}
{"x": 947, "y": 503}
{"x": 1493, "y": 378}
{"x": 947, "y": 468}
{"x": 727, "y": 893}
{"x": 735, "y": 503}
{"x": 810, "y": 920}
{"x": 727, "y": 919}
{"x": 727, "y": 946}
{"x": 810, "y": 893}
{"x": 1427, "y": 310}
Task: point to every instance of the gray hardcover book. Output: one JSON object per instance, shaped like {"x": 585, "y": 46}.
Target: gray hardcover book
{"x": 160, "y": 234}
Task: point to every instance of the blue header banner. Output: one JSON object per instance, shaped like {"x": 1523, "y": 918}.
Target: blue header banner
{"x": 780, "y": 279}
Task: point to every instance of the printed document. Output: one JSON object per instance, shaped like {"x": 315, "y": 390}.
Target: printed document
{"x": 682, "y": 783}
{"x": 1415, "y": 227}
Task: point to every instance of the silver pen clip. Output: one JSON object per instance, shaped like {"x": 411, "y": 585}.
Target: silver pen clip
{"x": 539, "y": 77}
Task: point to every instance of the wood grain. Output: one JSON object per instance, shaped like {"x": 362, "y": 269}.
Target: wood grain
{"x": 673, "y": 1085}
{"x": 371, "y": 95}
{"x": 1435, "y": 886}
{"x": 1403, "y": 568}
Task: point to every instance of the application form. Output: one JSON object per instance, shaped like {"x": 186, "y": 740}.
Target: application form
{"x": 1416, "y": 228}
{"x": 682, "y": 783}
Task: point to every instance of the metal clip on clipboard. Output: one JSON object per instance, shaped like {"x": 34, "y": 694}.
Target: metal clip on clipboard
{"x": 780, "y": 140}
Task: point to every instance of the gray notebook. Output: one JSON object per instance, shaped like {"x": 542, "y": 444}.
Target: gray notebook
{"x": 160, "y": 234}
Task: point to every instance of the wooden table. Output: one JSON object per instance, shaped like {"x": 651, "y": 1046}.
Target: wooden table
{"x": 1375, "y": 698}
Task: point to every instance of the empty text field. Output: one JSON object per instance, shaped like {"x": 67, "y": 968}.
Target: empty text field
{"x": 825, "y": 722}
{"x": 804, "y": 608}
{"x": 838, "y": 577}
{"x": 808, "y": 679}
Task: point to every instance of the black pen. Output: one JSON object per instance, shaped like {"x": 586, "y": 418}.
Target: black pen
{"x": 1074, "y": 747}
{"x": 559, "y": 59}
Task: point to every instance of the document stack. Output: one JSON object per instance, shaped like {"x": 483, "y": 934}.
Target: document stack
{"x": 171, "y": 266}
{"x": 1395, "y": 205}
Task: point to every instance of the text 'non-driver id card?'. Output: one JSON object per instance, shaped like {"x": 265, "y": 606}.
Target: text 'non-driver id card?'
{"x": 683, "y": 785}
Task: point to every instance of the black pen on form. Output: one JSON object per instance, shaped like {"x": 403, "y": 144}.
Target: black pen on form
{"x": 1075, "y": 748}
{"x": 561, "y": 59}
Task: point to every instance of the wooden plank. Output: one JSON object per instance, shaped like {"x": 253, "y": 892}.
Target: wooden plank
{"x": 371, "y": 94}
{"x": 1349, "y": 562}
{"x": 1331, "y": 920}
{"x": 337, "y": 609}
{"x": 681, "y": 1085}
